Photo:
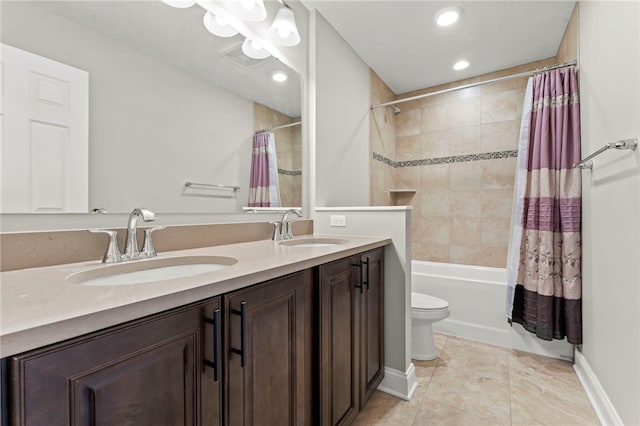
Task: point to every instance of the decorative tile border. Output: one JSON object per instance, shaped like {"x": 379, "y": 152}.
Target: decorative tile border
{"x": 446, "y": 160}
{"x": 290, "y": 172}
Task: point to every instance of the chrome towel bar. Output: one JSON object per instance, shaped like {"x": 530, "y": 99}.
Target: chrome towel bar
{"x": 211, "y": 185}
{"x": 270, "y": 209}
{"x": 631, "y": 144}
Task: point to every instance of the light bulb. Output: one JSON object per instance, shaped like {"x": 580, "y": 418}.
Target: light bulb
{"x": 248, "y": 4}
{"x": 248, "y": 10}
{"x": 218, "y": 25}
{"x": 284, "y": 32}
{"x": 180, "y": 4}
{"x": 254, "y": 49}
{"x": 221, "y": 21}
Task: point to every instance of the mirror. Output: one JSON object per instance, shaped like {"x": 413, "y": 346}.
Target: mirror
{"x": 168, "y": 103}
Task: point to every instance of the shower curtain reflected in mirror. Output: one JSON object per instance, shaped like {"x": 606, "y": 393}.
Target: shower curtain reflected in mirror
{"x": 263, "y": 184}
{"x": 544, "y": 269}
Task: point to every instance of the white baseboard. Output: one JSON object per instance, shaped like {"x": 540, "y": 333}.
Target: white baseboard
{"x": 508, "y": 337}
{"x": 601, "y": 403}
{"x": 399, "y": 383}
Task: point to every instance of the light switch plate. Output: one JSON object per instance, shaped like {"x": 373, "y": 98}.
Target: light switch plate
{"x": 338, "y": 220}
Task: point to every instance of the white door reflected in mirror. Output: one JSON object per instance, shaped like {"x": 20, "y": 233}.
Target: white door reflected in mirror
{"x": 45, "y": 135}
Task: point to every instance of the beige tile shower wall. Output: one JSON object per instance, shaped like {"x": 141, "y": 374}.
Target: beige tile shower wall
{"x": 382, "y": 131}
{"x": 288, "y": 151}
{"x": 462, "y": 210}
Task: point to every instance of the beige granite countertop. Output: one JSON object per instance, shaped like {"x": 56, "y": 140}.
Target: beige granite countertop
{"x": 39, "y": 306}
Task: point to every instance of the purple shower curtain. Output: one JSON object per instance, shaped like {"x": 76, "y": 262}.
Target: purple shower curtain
{"x": 263, "y": 182}
{"x": 548, "y": 292}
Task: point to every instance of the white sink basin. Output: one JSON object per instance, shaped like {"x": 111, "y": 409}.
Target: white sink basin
{"x": 314, "y": 242}
{"x": 147, "y": 271}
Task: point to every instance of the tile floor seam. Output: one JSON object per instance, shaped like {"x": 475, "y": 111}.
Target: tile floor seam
{"x": 509, "y": 387}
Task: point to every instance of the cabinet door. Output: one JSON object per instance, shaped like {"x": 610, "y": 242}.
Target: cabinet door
{"x": 148, "y": 372}
{"x": 371, "y": 323}
{"x": 339, "y": 295}
{"x": 268, "y": 365}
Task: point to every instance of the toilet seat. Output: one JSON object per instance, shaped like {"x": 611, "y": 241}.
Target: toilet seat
{"x": 424, "y": 302}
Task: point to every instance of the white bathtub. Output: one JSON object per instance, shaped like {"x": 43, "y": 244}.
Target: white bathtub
{"x": 476, "y": 296}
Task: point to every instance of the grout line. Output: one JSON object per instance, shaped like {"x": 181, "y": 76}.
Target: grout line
{"x": 465, "y": 158}
{"x": 509, "y": 388}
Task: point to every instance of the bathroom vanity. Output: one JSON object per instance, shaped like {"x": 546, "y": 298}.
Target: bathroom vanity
{"x": 301, "y": 345}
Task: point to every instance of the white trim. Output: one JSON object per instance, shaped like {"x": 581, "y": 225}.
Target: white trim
{"x": 601, "y": 403}
{"x": 398, "y": 383}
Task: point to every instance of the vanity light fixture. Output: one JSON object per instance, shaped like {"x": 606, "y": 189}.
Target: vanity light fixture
{"x": 279, "y": 76}
{"x": 249, "y": 10}
{"x": 447, "y": 16}
{"x": 460, "y": 65}
{"x": 180, "y": 4}
{"x": 253, "y": 49}
{"x": 283, "y": 30}
{"x": 219, "y": 26}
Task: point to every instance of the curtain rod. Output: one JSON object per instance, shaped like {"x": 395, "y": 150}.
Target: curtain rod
{"x": 480, "y": 83}
{"x": 279, "y": 127}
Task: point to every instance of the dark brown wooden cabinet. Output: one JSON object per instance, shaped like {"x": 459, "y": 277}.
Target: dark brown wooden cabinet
{"x": 302, "y": 349}
{"x": 339, "y": 325}
{"x": 351, "y": 335}
{"x": 268, "y": 372}
{"x": 371, "y": 323}
{"x": 147, "y": 372}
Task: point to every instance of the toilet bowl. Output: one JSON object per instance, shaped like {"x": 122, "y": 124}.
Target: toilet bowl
{"x": 425, "y": 310}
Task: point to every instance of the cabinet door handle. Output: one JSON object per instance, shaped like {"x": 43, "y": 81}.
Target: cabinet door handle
{"x": 243, "y": 327}
{"x": 361, "y": 284}
{"x": 215, "y": 322}
{"x": 366, "y": 266}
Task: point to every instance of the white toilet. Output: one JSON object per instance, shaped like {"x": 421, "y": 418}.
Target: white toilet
{"x": 425, "y": 310}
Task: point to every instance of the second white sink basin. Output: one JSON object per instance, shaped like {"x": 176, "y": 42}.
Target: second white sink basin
{"x": 147, "y": 271}
{"x": 314, "y": 242}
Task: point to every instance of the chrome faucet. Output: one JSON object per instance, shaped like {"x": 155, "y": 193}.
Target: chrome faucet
{"x": 282, "y": 230}
{"x": 131, "y": 251}
{"x": 131, "y": 244}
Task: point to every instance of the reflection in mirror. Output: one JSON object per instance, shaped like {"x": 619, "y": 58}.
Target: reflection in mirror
{"x": 168, "y": 102}
{"x": 288, "y": 138}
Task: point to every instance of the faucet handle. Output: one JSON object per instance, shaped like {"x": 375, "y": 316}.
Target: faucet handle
{"x": 147, "y": 247}
{"x": 113, "y": 253}
{"x": 277, "y": 231}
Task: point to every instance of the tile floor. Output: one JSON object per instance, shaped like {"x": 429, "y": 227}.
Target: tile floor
{"x": 475, "y": 384}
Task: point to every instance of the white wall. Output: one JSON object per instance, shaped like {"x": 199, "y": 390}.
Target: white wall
{"x": 152, "y": 126}
{"x": 341, "y": 84}
{"x": 609, "y": 63}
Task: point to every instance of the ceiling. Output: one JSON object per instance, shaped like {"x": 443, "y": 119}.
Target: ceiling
{"x": 178, "y": 37}
{"x": 400, "y": 41}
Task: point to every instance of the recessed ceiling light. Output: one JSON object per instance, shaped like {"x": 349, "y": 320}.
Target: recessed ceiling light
{"x": 447, "y": 16}
{"x": 460, "y": 65}
{"x": 279, "y": 76}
